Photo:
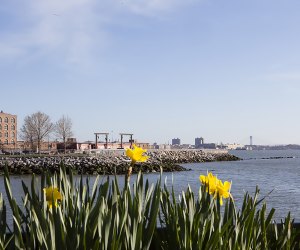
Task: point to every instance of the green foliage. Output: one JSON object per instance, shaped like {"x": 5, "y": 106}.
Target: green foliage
{"x": 102, "y": 218}
{"x": 202, "y": 224}
{"x": 105, "y": 216}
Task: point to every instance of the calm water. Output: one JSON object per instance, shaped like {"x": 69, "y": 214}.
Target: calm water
{"x": 280, "y": 175}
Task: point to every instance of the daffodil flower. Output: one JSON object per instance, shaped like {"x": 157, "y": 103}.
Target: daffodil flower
{"x": 223, "y": 190}
{"x": 136, "y": 154}
{"x": 210, "y": 181}
{"x": 216, "y": 187}
{"x": 52, "y": 194}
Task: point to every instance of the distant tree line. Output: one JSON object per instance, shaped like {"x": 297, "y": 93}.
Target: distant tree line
{"x": 38, "y": 126}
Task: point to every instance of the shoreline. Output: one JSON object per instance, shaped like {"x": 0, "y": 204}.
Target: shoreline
{"x": 110, "y": 164}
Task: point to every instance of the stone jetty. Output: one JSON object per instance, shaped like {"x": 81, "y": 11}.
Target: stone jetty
{"x": 168, "y": 160}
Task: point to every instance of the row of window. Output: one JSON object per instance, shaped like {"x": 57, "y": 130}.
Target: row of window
{"x": 6, "y": 127}
{"x": 6, "y": 134}
{"x": 12, "y": 120}
{"x": 6, "y": 142}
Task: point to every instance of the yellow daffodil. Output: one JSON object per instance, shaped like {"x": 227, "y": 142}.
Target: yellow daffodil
{"x": 136, "y": 154}
{"x": 210, "y": 181}
{"x": 216, "y": 187}
{"x": 223, "y": 190}
{"x": 52, "y": 194}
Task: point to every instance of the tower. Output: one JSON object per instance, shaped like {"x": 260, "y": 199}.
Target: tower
{"x": 199, "y": 142}
{"x": 176, "y": 141}
{"x": 251, "y": 142}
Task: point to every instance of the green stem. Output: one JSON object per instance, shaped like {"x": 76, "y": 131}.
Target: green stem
{"x": 128, "y": 174}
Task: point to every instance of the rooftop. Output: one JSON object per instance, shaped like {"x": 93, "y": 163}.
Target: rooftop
{"x": 1, "y": 113}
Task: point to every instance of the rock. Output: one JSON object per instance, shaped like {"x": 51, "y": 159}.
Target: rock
{"x": 168, "y": 160}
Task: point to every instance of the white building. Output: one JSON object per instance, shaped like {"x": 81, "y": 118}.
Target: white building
{"x": 234, "y": 146}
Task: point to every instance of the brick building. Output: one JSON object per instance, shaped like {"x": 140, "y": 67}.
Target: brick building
{"x": 8, "y": 131}
{"x": 46, "y": 146}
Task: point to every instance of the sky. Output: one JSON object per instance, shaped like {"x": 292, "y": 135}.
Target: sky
{"x": 160, "y": 69}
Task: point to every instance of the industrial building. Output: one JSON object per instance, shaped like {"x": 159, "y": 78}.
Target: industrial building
{"x": 175, "y": 141}
{"x": 199, "y": 144}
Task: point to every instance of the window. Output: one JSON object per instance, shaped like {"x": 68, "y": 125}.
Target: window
{"x": 12, "y": 120}
{"x": 13, "y": 141}
{"x": 12, "y": 127}
{"x": 0, "y": 134}
{"x": 0, "y": 127}
{"x": 12, "y": 134}
{"x": 6, "y": 142}
{"x": 6, "y": 134}
{"x": 6, "y": 120}
{"x": 0, "y": 119}
{"x": 5, "y": 127}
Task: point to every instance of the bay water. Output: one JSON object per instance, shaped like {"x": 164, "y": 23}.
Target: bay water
{"x": 275, "y": 171}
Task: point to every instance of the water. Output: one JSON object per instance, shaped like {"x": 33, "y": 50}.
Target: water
{"x": 281, "y": 176}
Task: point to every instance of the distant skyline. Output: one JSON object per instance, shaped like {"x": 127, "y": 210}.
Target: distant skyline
{"x": 159, "y": 69}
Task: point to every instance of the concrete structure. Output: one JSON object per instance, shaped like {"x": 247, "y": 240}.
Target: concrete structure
{"x": 199, "y": 144}
{"x": 97, "y": 137}
{"x": 199, "y": 141}
{"x": 176, "y": 141}
{"x": 131, "y": 141}
{"x": 8, "y": 131}
{"x": 125, "y": 145}
{"x": 164, "y": 146}
{"x": 185, "y": 146}
{"x": 72, "y": 145}
{"x": 208, "y": 146}
{"x": 98, "y": 134}
{"x": 234, "y": 146}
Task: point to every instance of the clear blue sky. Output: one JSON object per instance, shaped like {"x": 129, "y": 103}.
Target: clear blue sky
{"x": 160, "y": 69}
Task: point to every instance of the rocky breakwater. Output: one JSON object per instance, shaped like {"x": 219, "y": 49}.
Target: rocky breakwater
{"x": 110, "y": 164}
{"x": 190, "y": 156}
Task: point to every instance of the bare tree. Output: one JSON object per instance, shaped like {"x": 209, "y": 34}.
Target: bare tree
{"x": 27, "y": 134}
{"x": 63, "y": 129}
{"x": 36, "y": 128}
